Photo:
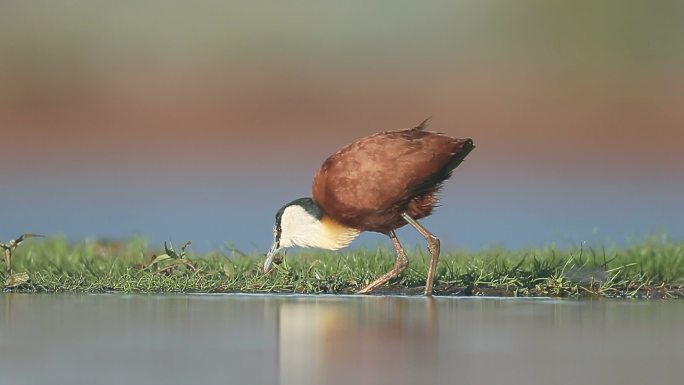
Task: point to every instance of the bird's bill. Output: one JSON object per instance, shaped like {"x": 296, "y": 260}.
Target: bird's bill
{"x": 272, "y": 252}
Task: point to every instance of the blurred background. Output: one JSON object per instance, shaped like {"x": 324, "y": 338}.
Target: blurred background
{"x": 197, "y": 120}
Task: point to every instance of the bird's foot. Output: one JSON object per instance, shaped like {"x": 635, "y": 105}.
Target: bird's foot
{"x": 398, "y": 268}
{"x": 373, "y": 285}
{"x": 434, "y": 249}
{"x": 366, "y": 290}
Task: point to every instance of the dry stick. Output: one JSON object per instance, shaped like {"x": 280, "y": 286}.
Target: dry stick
{"x": 8, "y": 260}
{"x": 11, "y": 246}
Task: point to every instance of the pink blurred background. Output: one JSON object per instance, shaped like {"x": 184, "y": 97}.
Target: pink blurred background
{"x": 198, "y": 120}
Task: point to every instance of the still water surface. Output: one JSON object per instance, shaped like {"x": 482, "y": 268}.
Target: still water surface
{"x": 248, "y": 339}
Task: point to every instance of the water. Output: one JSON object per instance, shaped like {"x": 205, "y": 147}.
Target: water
{"x": 239, "y": 339}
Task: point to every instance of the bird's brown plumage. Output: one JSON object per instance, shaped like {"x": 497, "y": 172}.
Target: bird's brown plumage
{"x": 368, "y": 184}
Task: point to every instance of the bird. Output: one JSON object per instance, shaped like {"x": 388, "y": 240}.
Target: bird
{"x": 378, "y": 183}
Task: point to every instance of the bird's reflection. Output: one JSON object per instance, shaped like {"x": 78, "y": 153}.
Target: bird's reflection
{"x": 367, "y": 341}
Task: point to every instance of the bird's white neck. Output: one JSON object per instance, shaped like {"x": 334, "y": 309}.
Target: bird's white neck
{"x": 302, "y": 229}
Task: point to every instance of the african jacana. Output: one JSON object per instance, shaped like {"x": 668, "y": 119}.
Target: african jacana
{"x": 377, "y": 183}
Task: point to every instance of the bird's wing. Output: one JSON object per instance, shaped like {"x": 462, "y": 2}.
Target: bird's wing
{"x": 382, "y": 170}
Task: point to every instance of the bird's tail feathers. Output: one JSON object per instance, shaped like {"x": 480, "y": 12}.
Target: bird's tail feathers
{"x": 423, "y": 125}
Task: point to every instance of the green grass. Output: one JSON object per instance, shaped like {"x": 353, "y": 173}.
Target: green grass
{"x": 651, "y": 268}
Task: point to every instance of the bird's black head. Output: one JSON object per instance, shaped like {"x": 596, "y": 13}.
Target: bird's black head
{"x": 294, "y": 225}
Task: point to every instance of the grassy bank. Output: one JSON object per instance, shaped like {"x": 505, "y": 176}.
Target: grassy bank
{"x": 653, "y": 268}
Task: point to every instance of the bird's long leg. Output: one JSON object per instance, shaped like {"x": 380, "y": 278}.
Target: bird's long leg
{"x": 399, "y": 266}
{"x": 433, "y": 248}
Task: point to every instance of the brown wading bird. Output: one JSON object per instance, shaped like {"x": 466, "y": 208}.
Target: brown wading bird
{"x": 378, "y": 183}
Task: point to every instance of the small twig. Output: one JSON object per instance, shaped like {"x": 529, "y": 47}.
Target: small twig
{"x": 11, "y": 246}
